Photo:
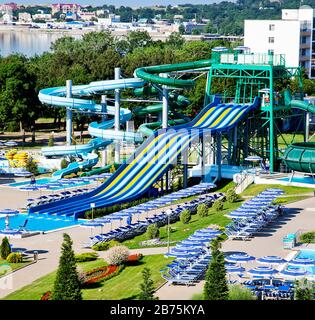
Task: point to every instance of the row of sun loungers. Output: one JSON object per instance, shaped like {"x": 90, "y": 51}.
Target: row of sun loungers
{"x": 133, "y": 229}
{"x": 54, "y": 197}
{"x": 254, "y": 215}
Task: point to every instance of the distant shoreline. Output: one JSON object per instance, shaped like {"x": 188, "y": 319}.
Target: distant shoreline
{"x": 19, "y": 28}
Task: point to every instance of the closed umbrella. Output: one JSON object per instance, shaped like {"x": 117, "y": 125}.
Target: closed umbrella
{"x": 92, "y": 224}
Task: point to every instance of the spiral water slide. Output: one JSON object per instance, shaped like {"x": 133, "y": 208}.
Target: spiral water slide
{"x": 157, "y": 154}
{"x": 103, "y": 131}
{"x": 300, "y": 156}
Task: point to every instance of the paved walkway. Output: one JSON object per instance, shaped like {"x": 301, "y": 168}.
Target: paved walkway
{"x": 300, "y": 216}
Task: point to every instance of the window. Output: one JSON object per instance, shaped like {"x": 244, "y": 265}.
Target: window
{"x": 303, "y": 52}
{"x": 271, "y": 40}
{"x": 271, "y": 51}
{"x": 271, "y": 27}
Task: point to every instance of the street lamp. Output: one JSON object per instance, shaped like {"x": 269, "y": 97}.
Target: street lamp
{"x": 168, "y": 213}
{"x": 92, "y": 207}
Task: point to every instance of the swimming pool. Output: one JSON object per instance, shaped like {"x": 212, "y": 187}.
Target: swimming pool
{"x": 40, "y": 222}
{"x": 307, "y": 253}
{"x": 308, "y": 180}
{"x": 49, "y": 180}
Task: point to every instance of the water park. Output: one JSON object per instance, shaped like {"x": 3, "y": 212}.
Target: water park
{"x": 164, "y": 185}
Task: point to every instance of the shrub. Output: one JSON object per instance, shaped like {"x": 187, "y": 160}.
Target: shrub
{"x": 238, "y": 292}
{"x": 102, "y": 246}
{"x": 117, "y": 255}
{"x": 133, "y": 258}
{"x": 113, "y": 243}
{"x": 185, "y": 216}
{"x": 5, "y": 248}
{"x": 153, "y": 231}
{"x": 308, "y": 237}
{"x": 51, "y": 141}
{"x": 231, "y": 196}
{"x": 15, "y": 257}
{"x": 218, "y": 205}
{"x": 12, "y": 126}
{"x": 303, "y": 290}
{"x": 147, "y": 286}
{"x": 202, "y": 210}
{"x": 64, "y": 163}
{"x": 88, "y": 256}
{"x": 31, "y": 166}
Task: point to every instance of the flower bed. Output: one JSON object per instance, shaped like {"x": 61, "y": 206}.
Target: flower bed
{"x": 100, "y": 274}
{"x": 133, "y": 258}
{"x": 46, "y": 296}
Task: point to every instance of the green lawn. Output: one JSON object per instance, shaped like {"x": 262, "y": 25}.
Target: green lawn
{"x": 4, "y": 264}
{"x": 181, "y": 231}
{"x": 123, "y": 286}
{"x": 254, "y": 189}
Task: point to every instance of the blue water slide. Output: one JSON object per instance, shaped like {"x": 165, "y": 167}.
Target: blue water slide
{"x": 151, "y": 160}
{"x": 102, "y": 131}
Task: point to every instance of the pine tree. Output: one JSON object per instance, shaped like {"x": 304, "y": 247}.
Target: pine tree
{"x": 147, "y": 286}
{"x": 216, "y": 287}
{"x": 67, "y": 283}
{"x": 5, "y": 248}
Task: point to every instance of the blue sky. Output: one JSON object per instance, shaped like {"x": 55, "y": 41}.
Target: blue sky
{"x": 130, "y": 3}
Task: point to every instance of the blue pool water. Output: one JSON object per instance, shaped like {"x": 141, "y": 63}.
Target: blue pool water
{"x": 308, "y": 180}
{"x": 48, "y": 180}
{"x": 40, "y": 222}
{"x": 307, "y": 253}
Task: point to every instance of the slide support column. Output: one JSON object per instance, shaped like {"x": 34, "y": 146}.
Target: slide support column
{"x": 307, "y": 127}
{"x": 69, "y": 113}
{"x": 219, "y": 155}
{"x": 165, "y": 104}
{"x": 117, "y": 116}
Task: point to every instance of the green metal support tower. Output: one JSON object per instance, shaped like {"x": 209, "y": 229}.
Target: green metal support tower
{"x": 241, "y": 77}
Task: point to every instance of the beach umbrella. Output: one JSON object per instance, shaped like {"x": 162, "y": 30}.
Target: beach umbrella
{"x": 28, "y": 189}
{"x": 23, "y": 174}
{"x": 239, "y": 258}
{"x": 271, "y": 260}
{"x": 181, "y": 255}
{"x": 293, "y": 272}
{"x": 10, "y": 232}
{"x": 11, "y": 144}
{"x": 253, "y": 158}
{"x": 92, "y": 224}
{"x": 234, "y": 268}
{"x": 238, "y": 215}
{"x": 302, "y": 262}
{"x": 207, "y": 231}
{"x": 262, "y": 271}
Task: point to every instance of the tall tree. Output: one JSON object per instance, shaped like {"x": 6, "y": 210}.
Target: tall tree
{"x": 147, "y": 286}
{"x": 67, "y": 283}
{"x": 216, "y": 287}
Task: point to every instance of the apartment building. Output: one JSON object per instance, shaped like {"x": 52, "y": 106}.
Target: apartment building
{"x": 293, "y": 35}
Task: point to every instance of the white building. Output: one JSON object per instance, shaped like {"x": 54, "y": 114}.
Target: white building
{"x": 293, "y": 36}
{"x": 25, "y": 17}
{"x": 42, "y": 16}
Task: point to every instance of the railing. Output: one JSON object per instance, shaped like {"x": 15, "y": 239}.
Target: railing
{"x": 250, "y": 58}
{"x": 246, "y": 180}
